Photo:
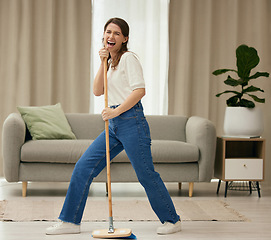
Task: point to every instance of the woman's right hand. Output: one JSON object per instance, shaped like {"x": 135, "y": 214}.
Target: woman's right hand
{"x": 104, "y": 53}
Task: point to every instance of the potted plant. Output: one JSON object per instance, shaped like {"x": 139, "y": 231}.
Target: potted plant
{"x": 242, "y": 118}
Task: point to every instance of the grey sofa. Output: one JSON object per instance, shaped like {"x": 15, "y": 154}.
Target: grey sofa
{"x": 183, "y": 150}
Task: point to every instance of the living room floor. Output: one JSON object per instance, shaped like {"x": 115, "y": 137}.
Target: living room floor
{"x": 258, "y": 210}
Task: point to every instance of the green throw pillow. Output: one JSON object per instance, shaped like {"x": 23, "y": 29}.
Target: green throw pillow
{"x": 46, "y": 122}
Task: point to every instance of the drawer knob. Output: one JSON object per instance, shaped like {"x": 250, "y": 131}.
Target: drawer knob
{"x": 245, "y": 165}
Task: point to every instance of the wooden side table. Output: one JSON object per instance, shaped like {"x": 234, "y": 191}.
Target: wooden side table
{"x": 240, "y": 159}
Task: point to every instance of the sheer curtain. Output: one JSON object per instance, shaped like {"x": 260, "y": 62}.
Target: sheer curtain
{"x": 148, "y": 21}
{"x": 203, "y": 37}
{"x": 44, "y": 55}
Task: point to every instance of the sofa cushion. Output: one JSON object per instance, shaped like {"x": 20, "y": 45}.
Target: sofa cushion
{"x": 85, "y": 126}
{"x": 54, "y": 151}
{"x": 166, "y": 151}
{"x": 169, "y": 127}
{"x": 46, "y": 122}
{"x": 69, "y": 151}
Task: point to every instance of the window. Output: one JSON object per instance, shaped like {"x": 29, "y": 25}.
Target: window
{"x": 148, "y": 21}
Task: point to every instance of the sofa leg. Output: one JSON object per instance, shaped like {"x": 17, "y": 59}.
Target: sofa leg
{"x": 24, "y": 188}
{"x": 180, "y": 185}
{"x": 191, "y": 187}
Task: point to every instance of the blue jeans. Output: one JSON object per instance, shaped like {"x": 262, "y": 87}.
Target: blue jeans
{"x": 129, "y": 131}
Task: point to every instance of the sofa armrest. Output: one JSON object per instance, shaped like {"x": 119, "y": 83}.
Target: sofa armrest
{"x": 13, "y": 137}
{"x": 202, "y": 132}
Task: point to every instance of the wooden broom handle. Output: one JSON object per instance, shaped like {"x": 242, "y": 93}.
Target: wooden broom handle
{"x": 107, "y": 140}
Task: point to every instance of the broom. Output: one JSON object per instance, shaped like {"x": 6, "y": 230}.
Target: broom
{"x": 111, "y": 232}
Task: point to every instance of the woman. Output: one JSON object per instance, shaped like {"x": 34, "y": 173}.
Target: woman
{"x": 128, "y": 130}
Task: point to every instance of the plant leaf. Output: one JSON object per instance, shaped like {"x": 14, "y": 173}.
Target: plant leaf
{"x": 259, "y": 74}
{"x": 252, "y": 89}
{"x": 233, "y": 82}
{"x": 232, "y": 102}
{"x": 256, "y": 99}
{"x": 221, "y": 71}
{"x": 246, "y": 103}
{"x": 247, "y": 59}
{"x": 237, "y": 93}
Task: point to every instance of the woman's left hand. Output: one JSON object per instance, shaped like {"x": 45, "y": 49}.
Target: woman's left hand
{"x": 109, "y": 113}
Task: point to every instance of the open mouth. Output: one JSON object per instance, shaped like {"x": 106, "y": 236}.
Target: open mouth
{"x": 111, "y": 44}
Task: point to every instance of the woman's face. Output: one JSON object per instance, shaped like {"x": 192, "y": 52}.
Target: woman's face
{"x": 113, "y": 38}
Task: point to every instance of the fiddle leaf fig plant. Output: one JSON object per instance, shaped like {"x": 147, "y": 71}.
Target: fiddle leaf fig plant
{"x": 246, "y": 59}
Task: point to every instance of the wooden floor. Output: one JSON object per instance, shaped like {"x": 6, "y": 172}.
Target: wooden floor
{"x": 258, "y": 210}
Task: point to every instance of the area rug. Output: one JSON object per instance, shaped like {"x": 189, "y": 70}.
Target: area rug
{"x": 129, "y": 210}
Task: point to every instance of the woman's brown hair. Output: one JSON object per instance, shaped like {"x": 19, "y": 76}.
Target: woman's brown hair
{"x": 125, "y": 31}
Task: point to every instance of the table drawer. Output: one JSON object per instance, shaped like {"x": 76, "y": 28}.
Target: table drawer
{"x": 243, "y": 169}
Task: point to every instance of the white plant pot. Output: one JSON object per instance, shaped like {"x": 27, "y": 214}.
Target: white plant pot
{"x": 243, "y": 122}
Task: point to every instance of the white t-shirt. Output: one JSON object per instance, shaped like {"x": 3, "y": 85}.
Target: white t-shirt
{"x": 127, "y": 77}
